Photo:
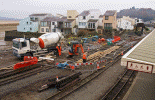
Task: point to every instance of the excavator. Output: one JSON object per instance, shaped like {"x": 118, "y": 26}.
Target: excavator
{"x": 74, "y": 48}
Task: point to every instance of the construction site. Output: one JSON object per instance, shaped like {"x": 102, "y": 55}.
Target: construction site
{"x": 64, "y": 72}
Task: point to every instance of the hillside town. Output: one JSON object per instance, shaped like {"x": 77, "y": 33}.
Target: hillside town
{"x": 91, "y": 20}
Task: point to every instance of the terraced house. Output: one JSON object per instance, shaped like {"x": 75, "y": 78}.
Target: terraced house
{"x": 51, "y": 24}
{"x": 70, "y": 22}
{"x": 88, "y": 19}
{"x": 109, "y": 20}
{"x": 31, "y": 23}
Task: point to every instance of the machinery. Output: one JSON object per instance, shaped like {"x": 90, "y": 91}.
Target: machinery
{"x": 74, "y": 48}
{"x": 21, "y": 46}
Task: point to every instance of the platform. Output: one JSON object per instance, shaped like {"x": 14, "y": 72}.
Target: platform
{"x": 142, "y": 56}
{"x": 142, "y": 88}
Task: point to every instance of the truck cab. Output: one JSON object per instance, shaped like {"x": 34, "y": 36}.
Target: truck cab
{"x": 21, "y": 46}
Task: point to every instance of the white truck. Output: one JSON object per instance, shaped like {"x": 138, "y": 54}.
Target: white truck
{"x": 21, "y": 46}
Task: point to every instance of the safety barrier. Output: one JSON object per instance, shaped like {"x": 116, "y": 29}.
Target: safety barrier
{"x": 27, "y": 62}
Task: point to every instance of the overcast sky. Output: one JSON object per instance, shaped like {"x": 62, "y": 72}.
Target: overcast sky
{"x": 23, "y": 8}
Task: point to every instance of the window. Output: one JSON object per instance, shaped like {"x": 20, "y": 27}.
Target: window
{"x": 36, "y": 19}
{"x": 91, "y": 25}
{"x": 137, "y": 20}
{"x": 47, "y": 30}
{"x": 30, "y": 28}
{"x": 69, "y": 16}
{"x": 67, "y": 24}
{"x": 82, "y": 23}
{"x": 42, "y": 29}
{"x": 106, "y": 17}
{"x": 53, "y": 23}
{"x": 43, "y": 23}
{"x": 108, "y": 25}
{"x": 61, "y": 30}
{"x": 24, "y": 44}
{"x": 27, "y": 23}
{"x": 24, "y": 28}
{"x": 84, "y": 17}
{"x": 92, "y": 16}
{"x": 15, "y": 44}
{"x": 54, "y": 30}
{"x": 31, "y": 18}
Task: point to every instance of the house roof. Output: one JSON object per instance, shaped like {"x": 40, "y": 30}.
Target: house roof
{"x": 37, "y": 14}
{"x": 100, "y": 16}
{"x": 69, "y": 20}
{"x": 92, "y": 20}
{"x": 85, "y": 13}
{"x": 110, "y": 13}
{"x": 53, "y": 18}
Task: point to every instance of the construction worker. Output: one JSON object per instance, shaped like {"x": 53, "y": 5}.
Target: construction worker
{"x": 84, "y": 57}
{"x": 59, "y": 50}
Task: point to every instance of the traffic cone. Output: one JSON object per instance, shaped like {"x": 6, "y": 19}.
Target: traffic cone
{"x": 98, "y": 67}
{"x": 122, "y": 53}
{"x": 88, "y": 47}
{"x": 57, "y": 78}
{"x": 72, "y": 67}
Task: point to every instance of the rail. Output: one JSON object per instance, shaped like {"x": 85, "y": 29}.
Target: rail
{"x": 113, "y": 92}
{"x": 15, "y": 77}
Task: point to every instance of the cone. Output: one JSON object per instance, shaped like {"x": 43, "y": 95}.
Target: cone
{"x": 88, "y": 47}
{"x": 57, "y": 78}
{"x": 72, "y": 67}
{"x": 122, "y": 53}
{"x": 98, "y": 67}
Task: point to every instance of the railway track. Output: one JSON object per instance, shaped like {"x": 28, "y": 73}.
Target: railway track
{"x": 29, "y": 73}
{"x": 114, "y": 91}
{"x": 62, "y": 94}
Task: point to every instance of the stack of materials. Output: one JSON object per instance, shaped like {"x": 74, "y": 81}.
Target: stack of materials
{"x": 100, "y": 54}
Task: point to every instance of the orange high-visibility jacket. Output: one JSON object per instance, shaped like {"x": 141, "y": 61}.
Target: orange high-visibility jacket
{"x": 84, "y": 56}
{"x": 59, "y": 50}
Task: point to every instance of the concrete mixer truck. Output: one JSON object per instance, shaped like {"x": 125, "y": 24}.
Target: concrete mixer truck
{"x": 48, "y": 41}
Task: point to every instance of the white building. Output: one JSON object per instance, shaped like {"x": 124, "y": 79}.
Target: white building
{"x": 88, "y": 19}
{"x": 124, "y": 24}
{"x": 52, "y": 24}
{"x": 31, "y": 23}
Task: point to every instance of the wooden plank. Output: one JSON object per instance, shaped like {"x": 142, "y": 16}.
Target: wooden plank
{"x": 100, "y": 54}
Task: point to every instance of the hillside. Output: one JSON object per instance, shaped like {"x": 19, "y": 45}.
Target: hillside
{"x": 143, "y": 13}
